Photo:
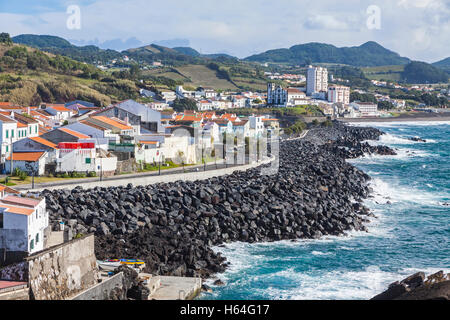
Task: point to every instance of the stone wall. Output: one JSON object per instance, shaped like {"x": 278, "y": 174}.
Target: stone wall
{"x": 104, "y": 289}
{"x": 63, "y": 271}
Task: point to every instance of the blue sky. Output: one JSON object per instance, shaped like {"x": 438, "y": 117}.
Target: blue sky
{"x": 418, "y": 29}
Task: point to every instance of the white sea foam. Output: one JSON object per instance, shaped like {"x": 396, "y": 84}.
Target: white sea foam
{"x": 397, "y": 124}
{"x": 320, "y": 253}
{"x": 385, "y": 192}
{"x": 393, "y": 139}
{"x": 338, "y": 285}
{"x": 402, "y": 155}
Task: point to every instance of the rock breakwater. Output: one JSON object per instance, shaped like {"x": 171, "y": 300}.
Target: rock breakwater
{"x": 173, "y": 226}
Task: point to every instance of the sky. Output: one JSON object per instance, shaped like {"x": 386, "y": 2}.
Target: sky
{"x": 417, "y": 29}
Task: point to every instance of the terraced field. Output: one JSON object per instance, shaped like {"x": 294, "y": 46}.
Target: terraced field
{"x": 392, "y": 73}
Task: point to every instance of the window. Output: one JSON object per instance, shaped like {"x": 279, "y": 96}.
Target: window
{"x": 7, "y": 148}
{"x": 37, "y": 238}
{"x": 32, "y": 244}
{"x": 88, "y": 160}
{"x": 36, "y": 129}
{"x": 12, "y": 133}
{"x": 7, "y": 133}
{"x": 1, "y": 220}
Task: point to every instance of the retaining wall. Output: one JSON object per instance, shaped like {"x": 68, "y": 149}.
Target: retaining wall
{"x": 102, "y": 290}
{"x": 143, "y": 181}
{"x": 64, "y": 270}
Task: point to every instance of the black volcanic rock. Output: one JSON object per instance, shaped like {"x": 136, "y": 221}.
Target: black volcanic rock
{"x": 173, "y": 226}
{"x": 416, "y": 287}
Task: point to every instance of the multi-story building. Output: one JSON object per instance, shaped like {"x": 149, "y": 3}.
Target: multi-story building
{"x": 366, "y": 109}
{"x": 22, "y": 224}
{"x": 316, "y": 80}
{"x": 8, "y": 135}
{"x": 339, "y": 94}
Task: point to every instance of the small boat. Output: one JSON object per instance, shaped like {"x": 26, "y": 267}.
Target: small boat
{"x": 112, "y": 264}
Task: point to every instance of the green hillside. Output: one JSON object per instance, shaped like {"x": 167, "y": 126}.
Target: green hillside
{"x": 385, "y": 73}
{"x": 368, "y": 54}
{"x": 90, "y": 54}
{"x": 30, "y": 76}
{"x": 422, "y": 73}
{"x": 443, "y": 64}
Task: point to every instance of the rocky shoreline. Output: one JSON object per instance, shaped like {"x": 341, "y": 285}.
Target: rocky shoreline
{"x": 418, "y": 287}
{"x": 174, "y": 226}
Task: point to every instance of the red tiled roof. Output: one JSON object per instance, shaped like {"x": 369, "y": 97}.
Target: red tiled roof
{"x": 11, "y": 284}
{"x": 44, "y": 142}
{"x": 17, "y": 210}
{"x": 6, "y": 119}
{"x": 22, "y": 201}
{"x": 60, "y": 108}
{"x": 112, "y": 122}
{"x": 26, "y": 156}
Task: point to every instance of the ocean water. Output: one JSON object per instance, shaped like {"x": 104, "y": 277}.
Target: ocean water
{"x": 411, "y": 232}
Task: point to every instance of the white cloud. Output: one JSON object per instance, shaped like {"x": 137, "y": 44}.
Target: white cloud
{"x": 247, "y": 27}
{"x": 325, "y": 22}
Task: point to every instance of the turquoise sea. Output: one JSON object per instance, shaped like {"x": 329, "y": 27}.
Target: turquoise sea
{"x": 411, "y": 232}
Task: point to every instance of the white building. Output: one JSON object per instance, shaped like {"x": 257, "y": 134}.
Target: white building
{"x": 85, "y": 157}
{"x": 295, "y": 97}
{"x": 366, "y": 109}
{"x": 256, "y": 125}
{"x": 339, "y": 94}
{"x": 30, "y": 162}
{"x": 168, "y": 95}
{"x": 316, "y": 80}
{"x": 205, "y": 105}
{"x": 276, "y": 95}
{"x": 239, "y": 101}
{"x": 8, "y": 135}
{"x": 22, "y": 224}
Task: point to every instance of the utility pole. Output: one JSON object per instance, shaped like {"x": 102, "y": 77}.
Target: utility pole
{"x": 12, "y": 163}
{"x": 159, "y": 173}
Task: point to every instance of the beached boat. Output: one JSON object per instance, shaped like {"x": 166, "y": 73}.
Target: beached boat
{"x": 112, "y": 264}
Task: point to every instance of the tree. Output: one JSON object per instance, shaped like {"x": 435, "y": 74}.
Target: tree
{"x": 5, "y": 38}
{"x": 135, "y": 70}
{"x": 180, "y": 105}
{"x": 385, "y": 105}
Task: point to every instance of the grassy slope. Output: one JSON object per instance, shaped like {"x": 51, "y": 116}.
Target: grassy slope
{"x": 392, "y": 73}
{"x": 200, "y": 75}
{"x": 24, "y": 87}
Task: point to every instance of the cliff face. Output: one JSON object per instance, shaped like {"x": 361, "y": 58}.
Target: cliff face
{"x": 418, "y": 287}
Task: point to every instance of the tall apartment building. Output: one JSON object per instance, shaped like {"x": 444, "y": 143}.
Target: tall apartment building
{"x": 339, "y": 94}
{"x": 276, "y": 95}
{"x": 316, "y": 80}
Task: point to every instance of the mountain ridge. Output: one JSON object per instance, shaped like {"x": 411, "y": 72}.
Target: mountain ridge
{"x": 368, "y": 54}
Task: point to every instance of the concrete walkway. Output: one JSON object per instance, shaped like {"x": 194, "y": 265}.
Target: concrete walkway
{"x": 146, "y": 179}
{"x": 177, "y": 288}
